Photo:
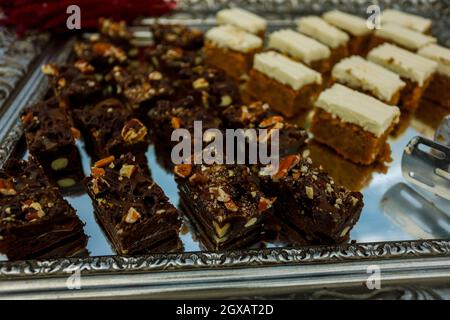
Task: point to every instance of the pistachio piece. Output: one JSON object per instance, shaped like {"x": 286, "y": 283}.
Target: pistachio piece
{"x": 66, "y": 182}
{"x": 59, "y": 164}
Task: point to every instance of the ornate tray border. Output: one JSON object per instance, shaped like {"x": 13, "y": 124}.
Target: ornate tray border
{"x": 14, "y": 275}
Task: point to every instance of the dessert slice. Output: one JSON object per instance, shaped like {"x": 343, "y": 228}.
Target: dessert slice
{"x": 335, "y": 39}
{"x": 224, "y": 203}
{"x": 401, "y": 36}
{"x": 50, "y": 138}
{"x": 288, "y": 86}
{"x": 355, "y": 26}
{"x": 132, "y": 209}
{"x": 301, "y": 48}
{"x": 109, "y": 128}
{"x": 243, "y": 19}
{"x": 35, "y": 220}
{"x": 416, "y": 71}
{"x": 407, "y": 20}
{"x": 439, "y": 89}
{"x": 309, "y": 201}
{"x": 231, "y": 49}
{"x": 369, "y": 78}
{"x": 355, "y": 125}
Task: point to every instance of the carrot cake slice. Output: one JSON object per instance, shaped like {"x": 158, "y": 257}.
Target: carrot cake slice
{"x": 242, "y": 19}
{"x": 355, "y": 125}
{"x": 439, "y": 89}
{"x": 317, "y": 28}
{"x": 355, "y": 26}
{"x": 288, "y": 86}
{"x": 407, "y": 20}
{"x": 416, "y": 71}
{"x": 231, "y": 49}
{"x": 301, "y": 48}
{"x": 369, "y": 78}
{"x": 401, "y": 36}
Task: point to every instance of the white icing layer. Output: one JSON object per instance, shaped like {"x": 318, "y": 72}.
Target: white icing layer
{"x": 319, "y": 29}
{"x": 407, "y": 64}
{"x": 285, "y": 70}
{"x": 404, "y": 37}
{"x": 298, "y": 46}
{"x": 243, "y": 19}
{"x": 231, "y": 37}
{"x": 357, "y": 108}
{"x": 359, "y": 73}
{"x": 439, "y": 54}
{"x": 406, "y": 20}
{"x": 352, "y": 24}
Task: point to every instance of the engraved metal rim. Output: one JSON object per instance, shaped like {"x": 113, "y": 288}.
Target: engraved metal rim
{"x": 250, "y": 258}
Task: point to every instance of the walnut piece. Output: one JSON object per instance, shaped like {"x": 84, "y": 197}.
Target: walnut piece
{"x": 132, "y": 216}
{"x": 134, "y": 131}
{"x": 183, "y": 170}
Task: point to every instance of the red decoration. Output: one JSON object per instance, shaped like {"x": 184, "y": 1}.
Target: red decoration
{"x": 51, "y": 15}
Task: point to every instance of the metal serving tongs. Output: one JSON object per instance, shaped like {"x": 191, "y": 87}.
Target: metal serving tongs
{"x": 426, "y": 163}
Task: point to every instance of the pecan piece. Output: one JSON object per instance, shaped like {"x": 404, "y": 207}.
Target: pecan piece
{"x": 76, "y": 134}
{"x": 7, "y": 188}
{"x": 183, "y": 170}
{"x": 286, "y": 164}
{"x": 175, "y": 122}
{"x": 271, "y": 121}
{"x": 134, "y": 131}
{"x": 132, "y": 216}
{"x": 104, "y": 162}
{"x": 97, "y": 172}
{"x": 83, "y": 66}
{"x": 265, "y": 203}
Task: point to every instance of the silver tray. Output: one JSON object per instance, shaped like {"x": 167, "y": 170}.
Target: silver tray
{"x": 402, "y": 231}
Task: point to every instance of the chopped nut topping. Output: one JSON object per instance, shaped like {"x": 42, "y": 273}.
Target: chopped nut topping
{"x": 7, "y": 188}
{"x": 183, "y": 170}
{"x": 200, "y": 83}
{"x": 354, "y": 200}
{"x": 127, "y": 170}
{"x": 134, "y": 131}
{"x": 34, "y": 211}
{"x": 155, "y": 75}
{"x": 104, "y": 162}
{"x": 269, "y": 122}
{"x": 309, "y": 192}
{"x": 251, "y": 222}
{"x": 286, "y": 164}
{"x": 132, "y": 216}
{"x": 222, "y": 196}
{"x": 83, "y": 66}
{"x": 108, "y": 50}
{"x": 230, "y": 205}
{"x": 225, "y": 101}
{"x": 221, "y": 231}
{"x": 62, "y": 82}
{"x": 27, "y": 118}
{"x": 75, "y": 133}
{"x": 50, "y": 70}
{"x": 175, "y": 122}
{"x": 97, "y": 172}
{"x": 265, "y": 203}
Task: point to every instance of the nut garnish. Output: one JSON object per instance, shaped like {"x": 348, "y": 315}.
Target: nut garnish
{"x": 221, "y": 231}
{"x": 175, "y": 122}
{"x": 134, "y": 131}
{"x": 268, "y": 122}
{"x": 183, "y": 170}
{"x": 127, "y": 170}
{"x": 309, "y": 192}
{"x": 66, "y": 182}
{"x": 286, "y": 164}
{"x": 132, "y": 216}
{"x": 27, "y": 117}
{"x": 230, "y": 205}
{"x": 225, "y": 101}
{"x": 155, "y": 75}
{"x": 76, "y": 134}
{"x": 83, "y": 66}
{"x": 50, "y": 69}
{"x": 265, "y": 203}
{"x": 97, "y": 172}
{"x": 104, "y": 162}
{"x": 34, "y": 210}
{"x": 250, "y": 222}
{"x": 59, "y": 164}
{"x": 7, "y": 188}
{"x": 200, "y": 83}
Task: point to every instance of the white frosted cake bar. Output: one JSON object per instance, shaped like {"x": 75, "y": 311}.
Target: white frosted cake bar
{"x": 233, "y": 38}
{"x": 366, "y": 76}
{"x": 414, "y": 69}
{"x": 406, "y": 20}
{"x": 243, "y": 19}
{"x": 319, "y": 29}
{"x": 287, "y": 85}
{"x": 439, "y": 89}
{"x": 285, "y": 70}
{"x": 355, "y": 125}
{"x": 301, "y": 48}
{"x": 401, "y": 36}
